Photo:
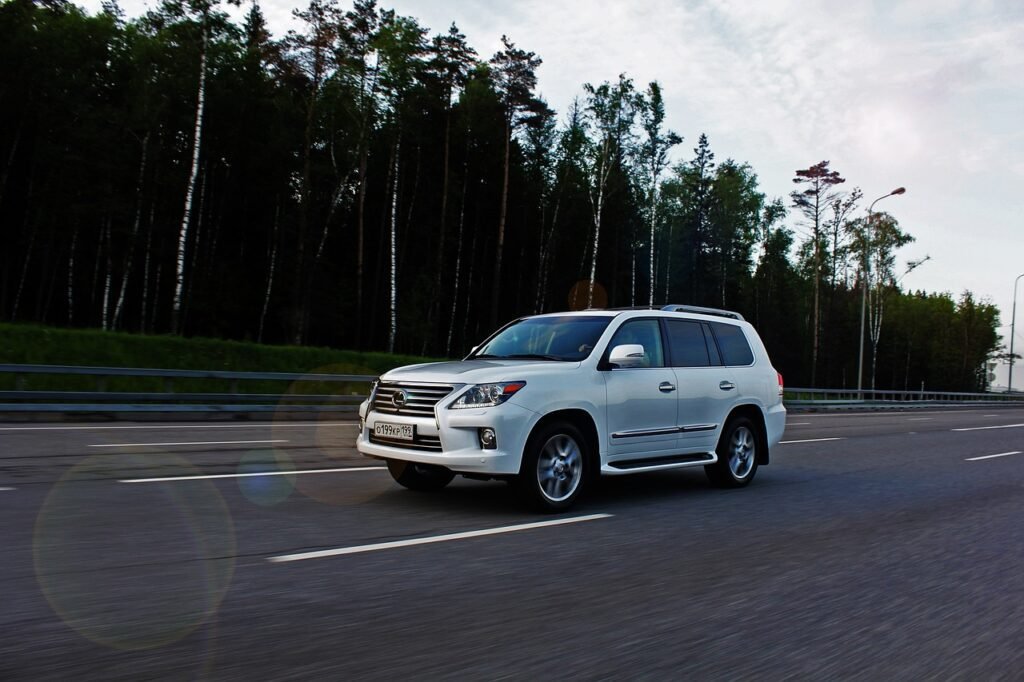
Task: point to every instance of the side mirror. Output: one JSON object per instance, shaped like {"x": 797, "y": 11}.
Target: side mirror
{"x": 627, "y": 355}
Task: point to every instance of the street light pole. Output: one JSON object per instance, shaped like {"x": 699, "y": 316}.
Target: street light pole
{"x": 864, "y": 283}
{"x": 1013, "y": 329}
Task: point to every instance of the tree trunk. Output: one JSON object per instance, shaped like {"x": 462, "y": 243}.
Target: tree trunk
{"x": 270, "y": 271}
{"x": 458, "y": 249}
{"x": 145, "y": 269}
{"x": 393, "y": 326}
{"x": 135, "y": 232}
{"x": 179, "y": 282}
{"x": 71, "y": 276}
{"x": 360, "y": 247}
{"x": 502, "y": 217}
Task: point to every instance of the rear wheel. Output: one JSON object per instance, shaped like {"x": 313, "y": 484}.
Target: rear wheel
{"x": 738, "y": 452}
{"x": 554, "y": 467}
{"x": 415, "y": 476}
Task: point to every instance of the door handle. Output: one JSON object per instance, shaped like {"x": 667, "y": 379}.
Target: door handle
{"x": 666, "y": 387}
{"x": 727, "y": 385}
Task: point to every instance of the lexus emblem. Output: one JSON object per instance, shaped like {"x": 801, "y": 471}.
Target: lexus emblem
{"x": 399, "y": 398}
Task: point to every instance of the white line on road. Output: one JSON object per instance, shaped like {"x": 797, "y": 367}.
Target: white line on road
{"x": 1001, "y": 454}
{"x": 986, "y": 428}
{"x": 798, "y": 423}
{"x": 809, "y": 440}
{"x": 298, "y": 472}
{"x": 358, "y": 549}
{"x": 161, "y": 427}
{"x": 920, "y": 419}
{"x": 207, "y": 442}
{"x": 6, "y": 489}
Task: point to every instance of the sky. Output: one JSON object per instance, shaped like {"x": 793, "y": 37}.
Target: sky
{"x": 922, "y": 94}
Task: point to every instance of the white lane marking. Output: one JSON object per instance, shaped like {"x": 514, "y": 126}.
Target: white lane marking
{"x": 809, "y": 440}
{"x": 1001, "y": 454}
{"x": 990, "y": 415}
{"x": 205, "y": 442}
{"x": 5, "y": 489}
{"x": 986, "y": 428}
{"x": 297, "y": 472}
{"x": 155, "y": 427}
{"x": 920, "y": 419}
{"x": 798, "y": 423}
{"x": 358, "y": 549}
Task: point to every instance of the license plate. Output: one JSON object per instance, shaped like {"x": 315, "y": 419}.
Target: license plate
{"x": 394, "y": 431}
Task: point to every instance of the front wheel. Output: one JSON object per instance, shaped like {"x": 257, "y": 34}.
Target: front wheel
{"x": 737, "y": 455}
{"x": 422, "y": 477}
{"x": 554, "y": 467}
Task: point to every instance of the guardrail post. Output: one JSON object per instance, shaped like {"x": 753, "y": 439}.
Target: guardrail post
{"x": 168, "y": 385}
{"x": 19, "y": 382}
{"x": 234, "y": 386}
{"x": 101, "y": 385}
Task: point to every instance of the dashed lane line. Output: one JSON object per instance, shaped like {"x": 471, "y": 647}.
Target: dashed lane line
{"x": 1001, "y": 454}
{"x": 809, "y": 440}
{"x": 298, "y": 472}
{"x": 206, "y": 442}
{"x": 359, "y": 549}
{"x": 988, "y": 428}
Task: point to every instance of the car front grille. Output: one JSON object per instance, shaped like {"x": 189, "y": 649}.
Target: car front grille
{"x": 430, "y": 443}
{"x": 418, "y": 398}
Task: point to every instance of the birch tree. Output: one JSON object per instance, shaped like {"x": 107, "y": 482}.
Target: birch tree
{"x": 611, "y": 112}
{"x": 653, "y": 155}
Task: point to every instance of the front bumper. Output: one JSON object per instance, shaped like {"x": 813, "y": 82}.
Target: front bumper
{"x": 458, "y": 432}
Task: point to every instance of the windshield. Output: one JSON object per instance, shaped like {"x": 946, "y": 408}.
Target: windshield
{"x": 568, "y": 339}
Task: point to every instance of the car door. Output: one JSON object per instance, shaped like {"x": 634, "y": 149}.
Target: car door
{"x": 641, "y": 403}
{"x": 705, "y": 387}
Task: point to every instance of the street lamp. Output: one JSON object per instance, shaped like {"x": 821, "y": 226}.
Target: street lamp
{"x": 1013, "y": 322}
{"x": 864, "y": 297}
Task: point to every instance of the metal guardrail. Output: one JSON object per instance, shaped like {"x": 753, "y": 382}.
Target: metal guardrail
{"x": 868, "y": 398}
{"x": 25, "y": 399}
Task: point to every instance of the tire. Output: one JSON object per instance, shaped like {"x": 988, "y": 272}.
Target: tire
{"x": 555, "y": 467}
{"x": 738, "y": 452}
{"x": 421, "y": 477}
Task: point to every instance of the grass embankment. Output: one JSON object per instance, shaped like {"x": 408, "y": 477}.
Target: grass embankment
{"x": 30, "y": 344}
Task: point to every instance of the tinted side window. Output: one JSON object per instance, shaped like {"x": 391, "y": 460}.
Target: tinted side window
{"x": 687, "y": 347}
{"x": 733, "y": 344}
{"x": 716, "y": 359}
{"x": 648, "y": 334}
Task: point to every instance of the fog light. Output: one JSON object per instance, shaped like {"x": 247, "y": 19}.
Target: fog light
{"x": 488, "y": 439}
{"x": 362, "y": 424}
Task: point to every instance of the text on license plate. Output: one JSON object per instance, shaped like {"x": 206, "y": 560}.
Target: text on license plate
{"x": 394, "y": 431}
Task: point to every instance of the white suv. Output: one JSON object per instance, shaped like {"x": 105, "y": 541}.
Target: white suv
{"x": 551, "y": 401}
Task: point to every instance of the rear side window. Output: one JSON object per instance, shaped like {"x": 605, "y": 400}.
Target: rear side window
{"x": 733, "y": 344}
{"x": 686, "y": 343}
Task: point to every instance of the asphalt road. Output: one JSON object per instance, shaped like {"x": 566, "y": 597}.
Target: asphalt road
{"x": 875, "y": 546}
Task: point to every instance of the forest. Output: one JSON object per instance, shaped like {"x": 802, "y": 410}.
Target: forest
{"x": 364, "y": 183}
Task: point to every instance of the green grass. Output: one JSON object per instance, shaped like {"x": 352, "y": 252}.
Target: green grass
{"x": 37, "y": 345}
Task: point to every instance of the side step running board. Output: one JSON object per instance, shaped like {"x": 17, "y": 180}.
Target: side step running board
{"x": 700, "y": 458}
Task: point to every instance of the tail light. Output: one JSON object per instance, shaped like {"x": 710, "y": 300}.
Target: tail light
{"x": 780, "y": 384}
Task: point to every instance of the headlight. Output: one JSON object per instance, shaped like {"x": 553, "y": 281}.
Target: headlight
{"x": 487, "y": 395}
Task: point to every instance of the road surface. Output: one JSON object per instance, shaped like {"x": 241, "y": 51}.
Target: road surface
{"x": 875, "y": 546}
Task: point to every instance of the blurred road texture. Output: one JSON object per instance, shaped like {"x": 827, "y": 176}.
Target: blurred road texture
{"x": 875, "y": 546}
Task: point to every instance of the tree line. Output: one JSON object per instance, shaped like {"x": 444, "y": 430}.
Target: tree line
{"x": 362, "y": 183}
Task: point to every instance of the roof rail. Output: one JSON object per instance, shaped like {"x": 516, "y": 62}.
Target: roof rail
{"x": 673, "y": 308}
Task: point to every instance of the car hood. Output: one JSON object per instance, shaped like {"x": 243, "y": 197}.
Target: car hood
{"x": 475, "y": 371}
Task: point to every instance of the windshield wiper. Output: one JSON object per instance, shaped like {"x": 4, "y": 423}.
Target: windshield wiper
{"x": 533, "y": 356}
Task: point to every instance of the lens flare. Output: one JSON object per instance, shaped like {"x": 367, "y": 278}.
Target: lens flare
{"x": 179, "y": 536}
